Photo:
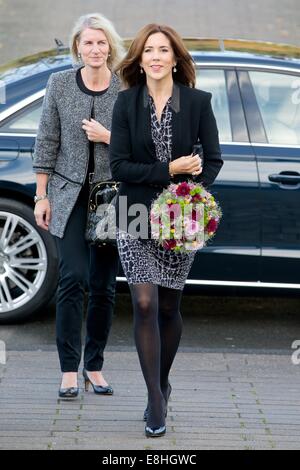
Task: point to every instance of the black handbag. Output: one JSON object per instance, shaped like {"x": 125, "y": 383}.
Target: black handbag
{"x": 101, "y": 226}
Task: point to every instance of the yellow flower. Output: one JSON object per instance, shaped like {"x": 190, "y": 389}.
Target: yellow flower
{"x": 169, "y": 201}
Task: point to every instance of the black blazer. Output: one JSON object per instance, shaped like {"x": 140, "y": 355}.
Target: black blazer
{"x": 132, "y": 152}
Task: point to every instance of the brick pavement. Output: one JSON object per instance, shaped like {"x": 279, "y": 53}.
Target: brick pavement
{"x": 219, "y": 401}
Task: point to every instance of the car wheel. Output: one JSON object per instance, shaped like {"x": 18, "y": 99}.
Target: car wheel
{"x": 28, "y": 263}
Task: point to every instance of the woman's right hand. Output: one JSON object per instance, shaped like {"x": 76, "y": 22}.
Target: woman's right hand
{"x": 190, "y": 164}
{"x": 42, "y": 213}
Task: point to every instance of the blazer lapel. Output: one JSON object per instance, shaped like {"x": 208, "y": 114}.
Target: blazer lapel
{"x": 176, "y": 135}
{"x": 176, "y": 122}
{"x": 146, "y": 122}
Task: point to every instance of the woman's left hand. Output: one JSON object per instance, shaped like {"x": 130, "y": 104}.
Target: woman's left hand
{"x": 95, "y": 131}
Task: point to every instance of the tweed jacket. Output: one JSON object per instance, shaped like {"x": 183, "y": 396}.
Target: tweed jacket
{"x": 132, "y": 152}
{"x": 62, "y": 147}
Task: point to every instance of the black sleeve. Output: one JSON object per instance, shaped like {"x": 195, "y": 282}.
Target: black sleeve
{"x": 123, "y": 168}
{"x": 209, "y": 138}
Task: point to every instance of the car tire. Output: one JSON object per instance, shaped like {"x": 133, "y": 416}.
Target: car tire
{"x": 28, "y": 263}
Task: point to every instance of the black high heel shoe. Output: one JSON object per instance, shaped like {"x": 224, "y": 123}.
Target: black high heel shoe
{"x": 69, "y": 392}
{"x": 98, "y": 389}
{"x": 168, "y": 396}
{"x": 156, "y": 431}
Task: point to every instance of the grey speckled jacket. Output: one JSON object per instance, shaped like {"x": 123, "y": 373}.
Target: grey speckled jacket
{"x": 62, "y": 148}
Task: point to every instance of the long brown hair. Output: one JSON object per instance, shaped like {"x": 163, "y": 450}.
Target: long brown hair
{"x": 129, "y": 67}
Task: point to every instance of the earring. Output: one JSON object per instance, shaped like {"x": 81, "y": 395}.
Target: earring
{"x": 79, "y": 56}
{"x": 175, "y": 69}
{"x": 141, "y": 71}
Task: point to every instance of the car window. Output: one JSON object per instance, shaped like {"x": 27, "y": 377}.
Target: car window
{"x": 278, "y": 99}
{"x": 214, "y": 82}
{"x": 26, "y": 120}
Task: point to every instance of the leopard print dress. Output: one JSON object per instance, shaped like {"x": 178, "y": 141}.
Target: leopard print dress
{"x": 146, "y": 261}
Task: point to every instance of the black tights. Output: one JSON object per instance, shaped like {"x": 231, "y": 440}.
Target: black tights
{"x": 157, "y": 332}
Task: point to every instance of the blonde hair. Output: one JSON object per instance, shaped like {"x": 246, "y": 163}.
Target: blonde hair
{"x": 97, "y": 21}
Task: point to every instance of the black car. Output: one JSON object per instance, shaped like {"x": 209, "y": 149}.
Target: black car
{"x": 256, "y": 101}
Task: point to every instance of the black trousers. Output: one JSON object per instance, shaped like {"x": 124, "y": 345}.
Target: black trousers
{"x": 81, "y": 266}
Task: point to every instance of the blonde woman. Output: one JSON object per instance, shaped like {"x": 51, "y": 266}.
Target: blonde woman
{"x": 71, "y": 148}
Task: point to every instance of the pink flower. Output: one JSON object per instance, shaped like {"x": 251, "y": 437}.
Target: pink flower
{"x": 183, "y": 189}
{"x": 191, "y": 228}
{"x": 154, "y": 218}
{"x": 174, "y": 210}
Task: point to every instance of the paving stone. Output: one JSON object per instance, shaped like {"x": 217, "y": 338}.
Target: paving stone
{"x": 219, "y": 401}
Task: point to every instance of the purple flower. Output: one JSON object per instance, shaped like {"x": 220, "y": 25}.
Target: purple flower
{"x": 212, "y": 225}
{"x": 197, "y": 197}
{"x": 169, "y": 244}
{"x": 183, "y": 189}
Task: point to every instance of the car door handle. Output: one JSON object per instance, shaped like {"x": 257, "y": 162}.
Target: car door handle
{"x": 285, "y": 177}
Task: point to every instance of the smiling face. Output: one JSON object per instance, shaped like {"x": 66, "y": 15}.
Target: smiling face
{"x": 158, "y": 57}
{"x": 93, "y": 47}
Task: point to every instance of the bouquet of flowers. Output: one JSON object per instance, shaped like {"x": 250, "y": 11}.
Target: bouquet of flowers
{"x": 184, "y": 217}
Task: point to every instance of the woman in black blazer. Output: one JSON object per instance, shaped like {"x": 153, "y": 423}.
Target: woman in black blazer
{"x": 156, "y": 122}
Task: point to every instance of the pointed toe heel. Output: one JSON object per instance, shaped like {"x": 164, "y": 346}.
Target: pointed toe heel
{"x": 155, "y": 432}
{"x": 98, "y": 389}
{"x": 68, "y": 393}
